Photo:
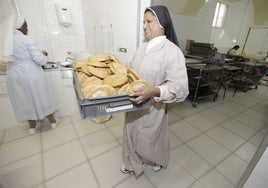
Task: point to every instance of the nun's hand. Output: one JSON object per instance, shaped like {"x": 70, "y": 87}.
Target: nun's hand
{"x": 144, "y": 93}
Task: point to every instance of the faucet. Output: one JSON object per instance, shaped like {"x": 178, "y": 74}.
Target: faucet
{"x": 70, "y": 59}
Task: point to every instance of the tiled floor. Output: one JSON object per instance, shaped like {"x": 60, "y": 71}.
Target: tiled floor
{"x": 211, "y": 146}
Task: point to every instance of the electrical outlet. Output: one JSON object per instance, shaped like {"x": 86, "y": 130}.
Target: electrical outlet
{"x": 122, "y": 50}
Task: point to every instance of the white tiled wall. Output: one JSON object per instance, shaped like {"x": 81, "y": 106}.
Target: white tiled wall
{"x": 44, "y": 28}
{"x": 111, "y": 25}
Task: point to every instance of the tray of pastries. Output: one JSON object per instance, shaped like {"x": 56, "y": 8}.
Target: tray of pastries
{"x": 103, "y": 84}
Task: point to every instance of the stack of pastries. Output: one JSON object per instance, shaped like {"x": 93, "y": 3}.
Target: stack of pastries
{"x": 104, "y": 75}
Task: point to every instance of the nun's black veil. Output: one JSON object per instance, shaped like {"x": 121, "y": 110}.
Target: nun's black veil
{"x": 162, "y": 14}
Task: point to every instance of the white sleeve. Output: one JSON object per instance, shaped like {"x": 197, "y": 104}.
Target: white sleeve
{"x": 36, "y": 52}
{"x": 164, "y": 94}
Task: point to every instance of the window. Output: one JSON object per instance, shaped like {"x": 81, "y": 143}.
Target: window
{"x": 219, "y": 15}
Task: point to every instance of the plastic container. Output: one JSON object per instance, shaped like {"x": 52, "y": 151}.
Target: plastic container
{"x": 103, "y": 106}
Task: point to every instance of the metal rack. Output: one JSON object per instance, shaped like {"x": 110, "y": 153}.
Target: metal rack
{"x": 204, "y": 81}
{"x": 250, "y": 76}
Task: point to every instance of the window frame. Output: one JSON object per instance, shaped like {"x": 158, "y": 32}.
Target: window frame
{"x": 218, "y": 19}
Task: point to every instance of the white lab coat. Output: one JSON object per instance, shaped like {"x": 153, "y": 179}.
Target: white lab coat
{"x": 30, "y": 92}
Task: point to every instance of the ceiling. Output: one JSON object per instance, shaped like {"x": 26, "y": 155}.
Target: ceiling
{"x": 191, "y": 8}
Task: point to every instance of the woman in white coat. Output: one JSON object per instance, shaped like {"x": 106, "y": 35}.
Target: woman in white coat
{"x": 162, "y": 64}
{"x": 29, "y": 90}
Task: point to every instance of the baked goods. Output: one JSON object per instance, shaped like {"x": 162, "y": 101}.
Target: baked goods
{"x": 97, "y": 64}
{"x": 133, "y": 74}
{"x": 136, "y": 85}
{"x": 95, "y": 91}
{"x": 84, "y": 70}
{"x": 123, "y": 90}
{"x": 79, "y": 64}
{"x": 99, "y": 72}
{"x": 113, "y": 58}
{"x": 98, "y": 57}
{"x": 115, "y": 80}
{"x": 118, "y": 68}
{"x": 104, "y": 75}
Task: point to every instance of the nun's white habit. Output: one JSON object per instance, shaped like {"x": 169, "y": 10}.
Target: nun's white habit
{"x": 145, "y": 135}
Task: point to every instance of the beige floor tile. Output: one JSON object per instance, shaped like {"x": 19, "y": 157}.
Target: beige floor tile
{"x": 251, "y": 122}
{"x": 264, "y": 130}
{"x": 257, "y": 115}
{"x": 232, "y": 168}
{"x": 262, "y": 107}
{"x": 58, "y": 136}
{"x": 183, "y": 110}
{"x": 238, "y": 128}
{"x": 117, "y": 130}
{"x": 116, "y": 119}
{"x": 256, "y": 139}
{"x": 76, "y": 116}
{"x": 190, "y": 161}
{"x": 85, "y": 127}
{"x": 172, "y": 177}
{"x": 174, "y": 141}
{"x": 207, "y": 148}
{"x": 197, "y": 184}
{"x": 246, "y": 151}
{"x": 247, "y": 101}
{"x": 184, "y": 130}
{"x": 214, "y": 115}
{"x": 59, "y": 159}
{"x": 80, "y": 176}
{"x": 235, "y": 106}
{"x": 40, "y": 186}
{"x": 226, "y": 138}
{"x": 200, "y": 122}
{"x": 214, "y": 179}
{"x": 225, "y": 110}
{"x": 98, "y": 142}
{"x": 132, "y": 182}
{"x": 107, "y": 168}
{"x": 19, "y": 149}
{"x": 15, "y": 133}
{"x": 64, "y": 121}
{"x": 22, "y": 174}
{"x": 172, "y": 117}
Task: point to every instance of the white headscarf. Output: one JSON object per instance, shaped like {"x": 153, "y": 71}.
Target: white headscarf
{"x": 19, "y": 22}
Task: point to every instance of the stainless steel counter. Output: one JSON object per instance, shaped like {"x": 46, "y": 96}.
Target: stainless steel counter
{"x": 67, "y": 72}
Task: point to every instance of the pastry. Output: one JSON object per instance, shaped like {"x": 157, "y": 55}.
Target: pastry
{"x": 115, "y": 80}
{"x": 95, "y": 91}
{"x": 99, "y": 72}
{"x": 118, "y": 68}
{"x": 136, "y": 84}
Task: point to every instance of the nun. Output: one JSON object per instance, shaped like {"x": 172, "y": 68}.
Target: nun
{"x": 31, "y": 94}
{"x": 161, "y": 63}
